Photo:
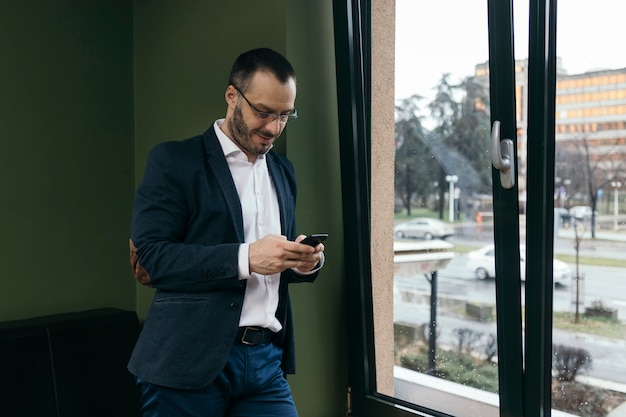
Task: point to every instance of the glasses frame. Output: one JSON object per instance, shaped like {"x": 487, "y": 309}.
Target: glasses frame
{"x": 270, "y": 117}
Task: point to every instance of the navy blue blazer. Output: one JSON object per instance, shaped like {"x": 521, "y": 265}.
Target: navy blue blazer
{"x": 187, "y": 226}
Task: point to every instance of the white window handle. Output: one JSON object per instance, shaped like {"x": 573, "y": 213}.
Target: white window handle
{"x": 502, "y": 157}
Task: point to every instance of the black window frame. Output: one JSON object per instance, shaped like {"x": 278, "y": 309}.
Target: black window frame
{"x": 352, "y": 25}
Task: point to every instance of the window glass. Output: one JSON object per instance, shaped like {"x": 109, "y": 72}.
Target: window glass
{"x": 444, "y": 353}
{"x": 443, "y": 286}
{"x": 590, "y": 213}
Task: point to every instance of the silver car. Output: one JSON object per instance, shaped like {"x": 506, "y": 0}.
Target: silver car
{"x": 424, "y": 228}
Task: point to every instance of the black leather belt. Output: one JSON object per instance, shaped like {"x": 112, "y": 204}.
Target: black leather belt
{"x": 253, "y": 336}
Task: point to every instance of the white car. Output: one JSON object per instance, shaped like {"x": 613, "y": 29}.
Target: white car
{"x": 424, "y": 228}
{"x": 581, "y": 213}
{"x": 482, "y": 262}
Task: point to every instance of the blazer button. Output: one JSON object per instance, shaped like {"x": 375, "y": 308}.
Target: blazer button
{"x": 234, "y": 306}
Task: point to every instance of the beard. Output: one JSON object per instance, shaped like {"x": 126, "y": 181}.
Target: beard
{"x": 244, "y": 136}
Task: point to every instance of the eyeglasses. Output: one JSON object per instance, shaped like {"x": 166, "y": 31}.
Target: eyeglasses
{"x": 270, "y": 117}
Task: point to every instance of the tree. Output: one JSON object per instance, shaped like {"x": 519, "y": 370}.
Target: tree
{"x": 457, "y": 145}
{"x": 463, "y": 131}
{"x": 414, "y": 162}
{"x": 444, "y": 110}
{"x": 471, "y": 136}
{"x": 589, "y": 168}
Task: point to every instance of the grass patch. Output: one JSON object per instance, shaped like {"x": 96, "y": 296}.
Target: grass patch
{"x": 416, "y": 212}
{"x": 592, "y": 260}
{"x": 563, "y": 320}
{"x": 453, "y": 366}
{"x": 457, "y": 366}
{"x": 464, "y": 248}
{"x": 598, "y": 326}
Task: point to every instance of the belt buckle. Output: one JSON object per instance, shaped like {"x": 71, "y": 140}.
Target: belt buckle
{"x": 245, "y": 334}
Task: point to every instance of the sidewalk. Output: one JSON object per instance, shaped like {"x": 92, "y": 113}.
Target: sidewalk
{"x": 601, "y": 383}
{"x": 618, "y": 412}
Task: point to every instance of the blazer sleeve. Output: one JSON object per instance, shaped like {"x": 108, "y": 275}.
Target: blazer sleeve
{"x": 180, "y": 250}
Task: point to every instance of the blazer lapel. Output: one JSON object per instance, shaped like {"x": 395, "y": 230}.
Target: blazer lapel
{"x": 219, "y": 167}
{"x": 278, "y": 178}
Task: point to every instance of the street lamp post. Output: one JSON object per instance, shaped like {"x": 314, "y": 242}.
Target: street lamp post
{"x": 616, "y": 185}
{"x": 451, "y": 179}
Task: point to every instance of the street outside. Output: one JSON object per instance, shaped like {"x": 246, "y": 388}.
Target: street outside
{"x": 457, "y": 282}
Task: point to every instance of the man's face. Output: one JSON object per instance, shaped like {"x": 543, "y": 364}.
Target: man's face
{"x": 252, "y": 133}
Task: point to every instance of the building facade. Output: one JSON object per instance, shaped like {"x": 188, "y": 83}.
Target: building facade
{"x": 590, "y": 120}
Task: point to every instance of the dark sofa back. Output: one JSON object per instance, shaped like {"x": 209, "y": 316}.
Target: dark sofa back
{"x": 69, "y": 365}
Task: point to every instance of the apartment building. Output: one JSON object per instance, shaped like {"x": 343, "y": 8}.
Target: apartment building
{"x": 590, "y": 107}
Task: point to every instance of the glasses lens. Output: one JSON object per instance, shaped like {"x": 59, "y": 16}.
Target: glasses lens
{"x": 284, "y": 118}
{"x": 262, "y": 114}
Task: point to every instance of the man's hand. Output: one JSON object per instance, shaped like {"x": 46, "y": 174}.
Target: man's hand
{"x": 274, "y": 254}
{"x": 141, "y": 275}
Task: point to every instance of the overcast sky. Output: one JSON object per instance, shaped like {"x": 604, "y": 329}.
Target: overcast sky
{"x": 451, "y": 36}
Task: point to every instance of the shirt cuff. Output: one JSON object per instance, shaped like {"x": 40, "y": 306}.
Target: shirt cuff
{"x": 244, "y": 263}
{"x": 319, "y": 266}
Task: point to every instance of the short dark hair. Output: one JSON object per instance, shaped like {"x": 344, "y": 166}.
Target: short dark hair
{"x": 254, "y": 60}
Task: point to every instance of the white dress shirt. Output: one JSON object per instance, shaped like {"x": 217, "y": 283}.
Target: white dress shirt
{"x": 261, "y": 217}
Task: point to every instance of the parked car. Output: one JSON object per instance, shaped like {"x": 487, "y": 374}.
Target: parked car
{"x": 581, "y": 213}
{"x": 425, "y": 228}
{"x": 482, "y": 262}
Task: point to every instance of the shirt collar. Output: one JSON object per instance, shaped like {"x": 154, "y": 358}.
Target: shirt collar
{"x": 229, "y": 146}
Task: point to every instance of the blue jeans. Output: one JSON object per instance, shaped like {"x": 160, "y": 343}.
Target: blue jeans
{"x": 251, "y": 384}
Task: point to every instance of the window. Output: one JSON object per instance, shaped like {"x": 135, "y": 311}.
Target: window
{"x": 392, "y": 303}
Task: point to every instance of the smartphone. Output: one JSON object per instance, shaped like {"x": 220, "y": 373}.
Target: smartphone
{"x": 315, "y": 239}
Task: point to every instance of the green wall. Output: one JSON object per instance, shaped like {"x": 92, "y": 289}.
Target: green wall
{"x": 66, "y": 156}
{"x": 313, "y": 146}
{"x": 87, "y": 88}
